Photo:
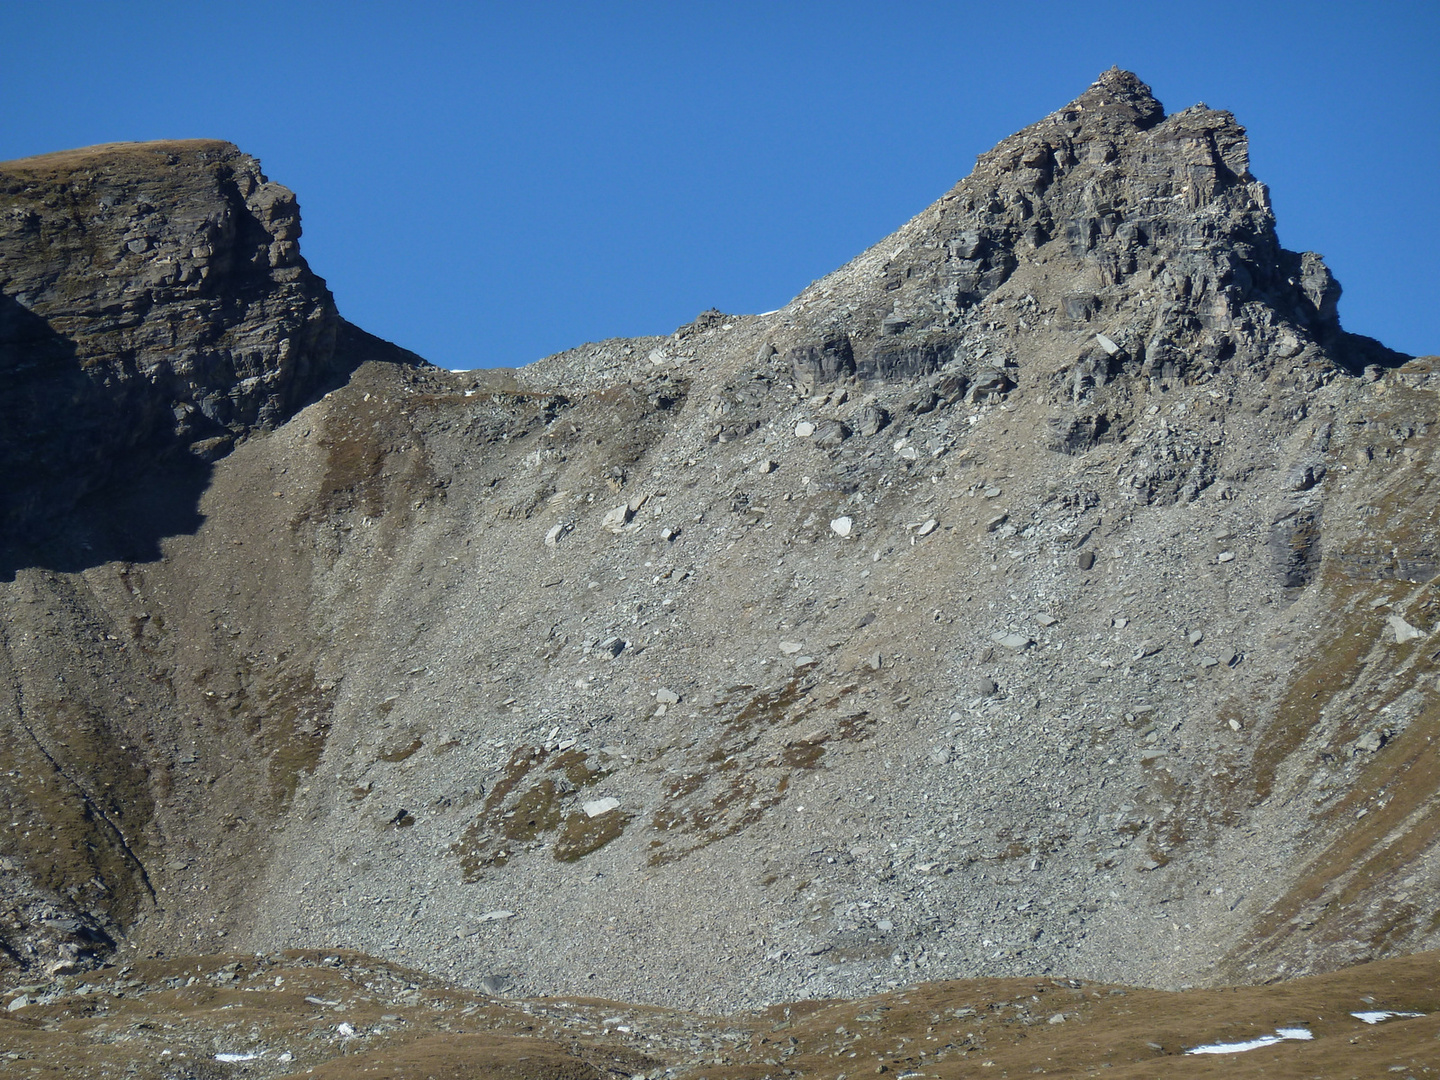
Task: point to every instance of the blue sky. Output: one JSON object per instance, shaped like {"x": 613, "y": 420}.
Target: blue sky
{"x": 490, "y": 183}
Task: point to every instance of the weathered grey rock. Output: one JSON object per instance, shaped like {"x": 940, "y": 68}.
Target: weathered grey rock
{"x": 1306, "y": 476}
{"x": 1371, "y": 741}
{"x": 1013, "y": 642}
{"x": 830, "y": 434}
{"x": 1295, "y": 547}
{"x": 872, "y": 420}
{"x": 1402, "y": 630}
{"x": 1075, "y": 435}
{"x": 892, "y": 358}
{"x": 495, "y": 985}
{"x": 616, "y": 519}
{"x": 822, "y": 362}
{"x": 990, "y": 383}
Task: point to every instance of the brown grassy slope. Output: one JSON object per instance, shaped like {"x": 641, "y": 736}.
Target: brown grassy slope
{"x": 165, "y": 1018}
{"x": 62, "y": 161}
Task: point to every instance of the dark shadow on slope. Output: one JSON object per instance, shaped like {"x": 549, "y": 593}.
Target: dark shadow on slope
{"x": 90, "y": 468}
{"x": 1357, "y": 352}
{"x": 358, "y": 347}
{"x": 71, "y": 436}
{"x": 354, "y": 347}
{"x": 126, "y": 520}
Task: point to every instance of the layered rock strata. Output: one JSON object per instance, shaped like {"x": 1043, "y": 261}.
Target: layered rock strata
{"x": 152, "y": 298}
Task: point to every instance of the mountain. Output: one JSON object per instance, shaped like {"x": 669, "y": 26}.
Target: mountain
{"x": 1044, "y": 592}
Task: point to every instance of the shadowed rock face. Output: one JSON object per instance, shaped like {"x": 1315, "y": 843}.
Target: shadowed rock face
{"x": 1043, "y": 590}
{"x": 153, "y": 299}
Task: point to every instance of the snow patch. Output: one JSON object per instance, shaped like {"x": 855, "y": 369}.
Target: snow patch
{"x": 1382, "y": 1014}
{"x": 1299, "y": 1034}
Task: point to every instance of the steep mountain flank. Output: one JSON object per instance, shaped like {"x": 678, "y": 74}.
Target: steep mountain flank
{"x": 152, "y": 298}
{"x": 1047, "y": 591}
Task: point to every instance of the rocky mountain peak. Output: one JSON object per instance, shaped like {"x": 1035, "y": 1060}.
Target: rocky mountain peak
{"x": 1117, "y": 99}
{"x": 153, "y": 298}
{"x": 1105, "y": 247}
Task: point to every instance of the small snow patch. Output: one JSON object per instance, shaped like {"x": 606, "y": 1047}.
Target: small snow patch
{"x": 1298, "y": 1034}
{"x": 235, "y": 1057}
{"x": 1383, "y": 1014}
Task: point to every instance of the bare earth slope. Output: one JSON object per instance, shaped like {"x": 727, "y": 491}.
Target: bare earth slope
{"x": 1045, "y": 592}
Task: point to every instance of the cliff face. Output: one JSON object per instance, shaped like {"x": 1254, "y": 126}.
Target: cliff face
{"x": 152, "y": 299}
{"x": 1046, "y": 590}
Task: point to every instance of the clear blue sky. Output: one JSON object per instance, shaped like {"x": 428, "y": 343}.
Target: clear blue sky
{"x": 488, "y": 183}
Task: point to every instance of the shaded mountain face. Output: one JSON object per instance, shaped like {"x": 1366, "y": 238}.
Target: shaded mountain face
{"x": 153, "y": 301}
{"x": 1044, "y": 591}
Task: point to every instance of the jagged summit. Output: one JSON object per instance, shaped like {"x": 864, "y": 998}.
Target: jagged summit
{"x": 1118, "y": 99}
{"x": 1143, "y": 228}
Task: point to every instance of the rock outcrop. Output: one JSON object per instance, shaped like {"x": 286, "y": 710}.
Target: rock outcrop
{"x": 1150, "y": 231}
{"x": 152, "y": 299}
